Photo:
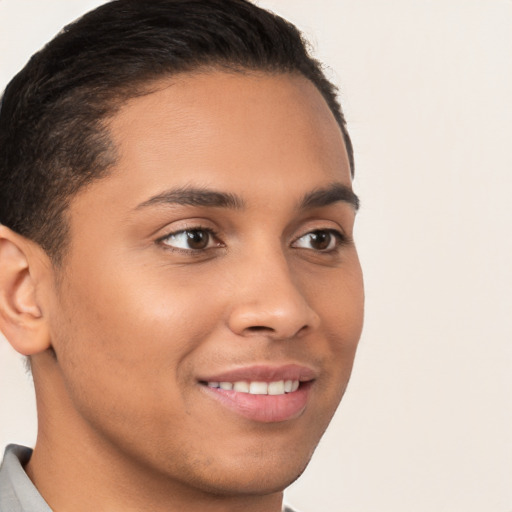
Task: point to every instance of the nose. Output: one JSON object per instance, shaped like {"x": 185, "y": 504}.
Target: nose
{"x": 269, "y": 301}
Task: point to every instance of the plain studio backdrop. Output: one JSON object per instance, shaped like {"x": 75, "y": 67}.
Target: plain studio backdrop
{"x": 426, "y": 424}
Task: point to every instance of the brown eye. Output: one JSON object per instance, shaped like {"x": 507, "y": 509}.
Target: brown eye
{"x": 190, "y": 239}
{"x": 197, "y": 239}
{"x": 322, "y": 240}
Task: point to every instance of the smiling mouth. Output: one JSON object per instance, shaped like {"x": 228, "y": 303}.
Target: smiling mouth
{"x": 262, "y": 393}
{"x": 274, "y": 388}
{"x": 260, "y": 401}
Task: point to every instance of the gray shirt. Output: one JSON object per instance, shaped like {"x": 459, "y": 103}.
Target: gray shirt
{"x": 17, "y": 492}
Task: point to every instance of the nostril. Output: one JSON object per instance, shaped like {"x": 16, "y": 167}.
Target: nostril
{"x": 259, "y": 328}
{"x": 275, "y": 333}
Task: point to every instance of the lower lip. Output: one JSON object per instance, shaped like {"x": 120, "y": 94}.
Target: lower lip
{"x": 263, "y": 408}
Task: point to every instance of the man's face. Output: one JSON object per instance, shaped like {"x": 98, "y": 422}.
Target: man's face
{"x": 209, "y": 256}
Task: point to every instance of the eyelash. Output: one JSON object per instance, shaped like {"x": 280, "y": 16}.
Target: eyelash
{"x": 340, "y": 240}
{"x": 190, "y": 251}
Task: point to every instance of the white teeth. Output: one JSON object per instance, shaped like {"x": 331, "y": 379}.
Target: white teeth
{"x": 279, "y": 387}
{"x": 258, "y": 388}
{"x": 276, "y": 388}
{"x": 241, "y": 386}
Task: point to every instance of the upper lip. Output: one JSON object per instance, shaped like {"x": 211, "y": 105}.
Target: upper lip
{"x": 263, "y": 373}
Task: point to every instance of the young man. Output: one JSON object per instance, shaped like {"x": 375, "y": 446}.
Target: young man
{"x": 176, "y": 259}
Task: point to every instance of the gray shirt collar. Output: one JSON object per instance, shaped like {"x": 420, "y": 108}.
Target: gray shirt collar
{"x": 17, "y": 492}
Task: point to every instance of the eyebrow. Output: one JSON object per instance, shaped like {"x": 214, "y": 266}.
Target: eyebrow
{"x": 191, "y": 196}
{"x": 329, "y": 195}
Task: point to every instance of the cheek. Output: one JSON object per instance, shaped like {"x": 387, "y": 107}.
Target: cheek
{"x": 341, "y": 306}
{"x": 139, "y": 311}
{"x": 126, "y": 346}
{"x": 125, "y": 337}
{"x": 339, "y": 300}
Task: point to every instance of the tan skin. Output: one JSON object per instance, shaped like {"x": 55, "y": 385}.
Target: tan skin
{"x": 135, "y": 318}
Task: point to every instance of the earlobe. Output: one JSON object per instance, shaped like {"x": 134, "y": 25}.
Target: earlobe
{"x": 21, "y": 316}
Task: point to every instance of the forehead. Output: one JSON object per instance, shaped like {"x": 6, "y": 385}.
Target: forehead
{"x": 252, "y": 133}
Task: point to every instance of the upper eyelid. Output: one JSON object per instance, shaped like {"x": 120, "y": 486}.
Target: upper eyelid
{"x": 174, "y": 232}
{"x": 189, "y": 251}
{"x": 213, "y": 232}
{"x": 339, "y": 234}
{"x": 336, "y": 230}
{"x": 168, "y": 226}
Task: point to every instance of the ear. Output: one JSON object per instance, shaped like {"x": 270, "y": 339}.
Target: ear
{"x": 21, "y": 316}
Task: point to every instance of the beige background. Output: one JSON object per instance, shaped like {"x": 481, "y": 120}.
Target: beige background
{"x": 426, "y": 425}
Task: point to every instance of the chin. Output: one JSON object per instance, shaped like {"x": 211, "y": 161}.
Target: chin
{"x": 245, "y": 477}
